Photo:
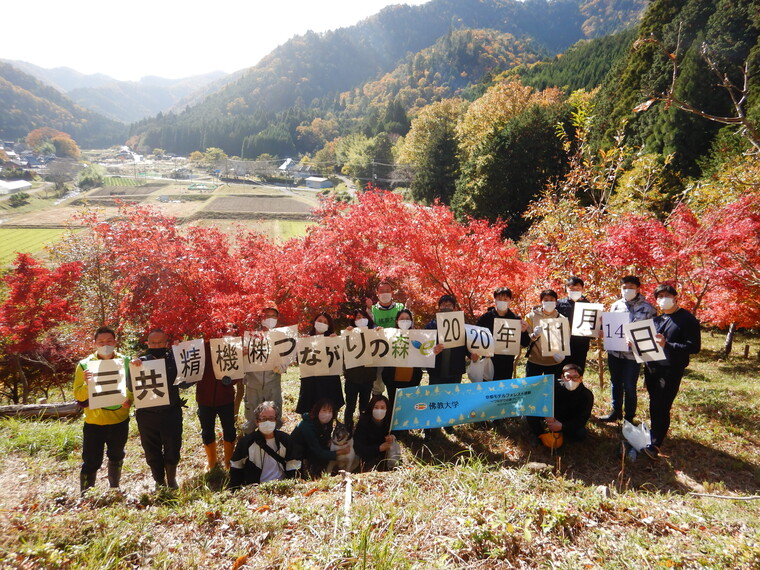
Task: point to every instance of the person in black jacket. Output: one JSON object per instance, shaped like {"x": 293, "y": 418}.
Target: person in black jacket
{"x": 503, "y": 364}
{"x": 678, "y": 333}
{"x": 265, "y": 454}
{"x": 572, "y": 407}
{"x": 160, "y": 427}
{"x": 566, "y": 307}
{"x": 401, "y": 377}
{"x": 372, "y": 439}
{"x": 311, "y": 438}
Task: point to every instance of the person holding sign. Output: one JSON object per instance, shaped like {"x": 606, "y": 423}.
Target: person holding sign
{"x": 401, "y": 377}
{"x": 314, "y": 388}
{"x": 624, "y": 369}
{"x": 264, "y": 455}
{"x": 545, "y": 355}
{"x": 105, "y": 428}
{"x": 503, "y": 364}
{"x": 265, "y": 385}
{"x": 678, "y": 334}
{"x": 372, "y": 440}
{"x": 572, "y": 409}
{"x": 216, "y": 398}
{"x": 566, "y": 307}
{"x": 160, "y": 427}
{"x": 359, "y": 380}
{"x": 451, "y": 361}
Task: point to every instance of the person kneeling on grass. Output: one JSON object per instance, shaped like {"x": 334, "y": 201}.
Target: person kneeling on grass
{"x": 266, "y": 454}
{"x": 572, "y": 409}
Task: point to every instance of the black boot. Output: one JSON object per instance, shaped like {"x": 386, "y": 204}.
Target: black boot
{"x": 114, "y": 474}
{"x": 171, "y": 476}
{"x": 613, "y": 416}
{"x": 86, "y": 480}
{"x": 158, "y": 476}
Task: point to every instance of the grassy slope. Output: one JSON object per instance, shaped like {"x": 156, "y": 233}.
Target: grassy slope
{"x": 477, "y": 498}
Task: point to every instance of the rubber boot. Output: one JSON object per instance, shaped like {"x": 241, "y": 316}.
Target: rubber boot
{"x": 86, "y": 480}
{"x": 171, "y": 476}
{"x": 210, "y": 455}
{"x": 158, "y": 476}
{"x": 229, "y": 448}
{"x": 114, "y": 474}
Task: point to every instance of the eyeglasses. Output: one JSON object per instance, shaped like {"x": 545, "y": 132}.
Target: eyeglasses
{"x": 571, "y": 376}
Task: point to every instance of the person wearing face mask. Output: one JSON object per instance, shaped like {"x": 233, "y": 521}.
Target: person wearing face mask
{"x": 311, "y": 438}
{"x": 401, "y": 377}
{"x": 265, "y": 385}
{"x": 566, "y": 307}
{"x": 265, "y": 454}
{"x": 385, "y": 310}
{"x": 624, "y": 370}
{"x": 538, "y": 365}
{"x": 503, "y": 365}
{"x": 314, "y": 388}
{"x": 572, "y": 407}
{"x": 372, "y": 439}
{"x": 679, "y": 335}
{"x": 105, "y": 429}
{"x": 450, "y": 363}
{"x": 359, "y": 380}
{"x": 160, "y": 427}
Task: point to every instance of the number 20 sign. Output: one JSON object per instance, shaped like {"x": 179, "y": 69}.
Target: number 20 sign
{"x": 451, "y": 331}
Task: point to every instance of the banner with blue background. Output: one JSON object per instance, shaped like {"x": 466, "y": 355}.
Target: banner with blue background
{"x": 444, "y": 405}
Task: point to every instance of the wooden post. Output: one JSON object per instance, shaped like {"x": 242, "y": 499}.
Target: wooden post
{"x": 746, "y": 351}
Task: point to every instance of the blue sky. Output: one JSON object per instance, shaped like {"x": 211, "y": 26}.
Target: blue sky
{"x": 132, "y": 39}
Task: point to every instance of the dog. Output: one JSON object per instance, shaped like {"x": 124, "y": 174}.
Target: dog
{"x": 342, "y": 438}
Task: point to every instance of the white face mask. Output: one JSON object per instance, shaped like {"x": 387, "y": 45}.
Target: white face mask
{"x": 385, "y": 298}
{"x": 404, "y": 324}
{"x": 105, "y": 350}
{"x": 666, "y": 303}
{"x": 269, "y": 323}
{"x": 378, "y": 413}
{"x": 325, "y": 417}
{"x": 549, "y": 306}
{"x": 321, "y": 327}
{"x": 574, "y": 295}
{"x": 629, "y": 294}
{"x": 361, "y": 322}
{"x": 570, "y": 384}
{"x": 267, "y": 427}
{"x": 502, "y": 306}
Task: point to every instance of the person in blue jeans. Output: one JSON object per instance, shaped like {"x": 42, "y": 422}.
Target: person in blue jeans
{"x": 624, "y": 370}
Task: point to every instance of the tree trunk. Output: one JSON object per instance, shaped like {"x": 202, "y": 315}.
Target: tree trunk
{"x": 40, "y": 411}
{"x": 728, "y": 345}
{"x": 21, "y": 378}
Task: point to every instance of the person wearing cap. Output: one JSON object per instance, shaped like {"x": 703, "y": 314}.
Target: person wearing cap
{"x": 679, "y": 335}
{"x": 265, "y": 385}
{"x": 572, "y": 409}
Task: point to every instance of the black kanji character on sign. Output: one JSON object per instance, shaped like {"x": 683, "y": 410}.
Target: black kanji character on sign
{"x": 148, "y": 381}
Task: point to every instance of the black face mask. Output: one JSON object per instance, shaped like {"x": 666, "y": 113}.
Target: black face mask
{"x": 157, "y": 352}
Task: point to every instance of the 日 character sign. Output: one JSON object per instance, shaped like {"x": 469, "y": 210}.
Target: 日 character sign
{"x": 645, "y": 348}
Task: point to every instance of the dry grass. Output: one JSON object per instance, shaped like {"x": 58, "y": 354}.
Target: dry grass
{"x": 477, "y": 498}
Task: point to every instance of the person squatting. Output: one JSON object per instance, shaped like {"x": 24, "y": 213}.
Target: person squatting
{"x": 107, "y": 384}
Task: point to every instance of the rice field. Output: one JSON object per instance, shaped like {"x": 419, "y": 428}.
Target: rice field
{"x": 23, "y": 240}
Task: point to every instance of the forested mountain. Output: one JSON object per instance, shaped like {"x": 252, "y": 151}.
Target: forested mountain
{"x": 28, "y": 104}
{"x": 315, "y": 74}
{"x": 123, "y": 101}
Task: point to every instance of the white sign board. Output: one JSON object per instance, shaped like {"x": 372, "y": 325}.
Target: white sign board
{"x": 150, "y": 386}
{"x": 108, "y": 385}
{"x": 451, "y": 331}
{"x": 613, "y": 333}
{"x": 555, "y": 337}
{"x": 227, "y": 357}
{"x": 506, "y": 336}
{"x": 191, "y": 361}
{"x": 479, "y": 340}
{"x": 587, "y": 320}
{"x": 641, "y": 336}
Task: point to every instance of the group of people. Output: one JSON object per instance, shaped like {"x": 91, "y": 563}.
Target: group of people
{"x": 266, "y": 453}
